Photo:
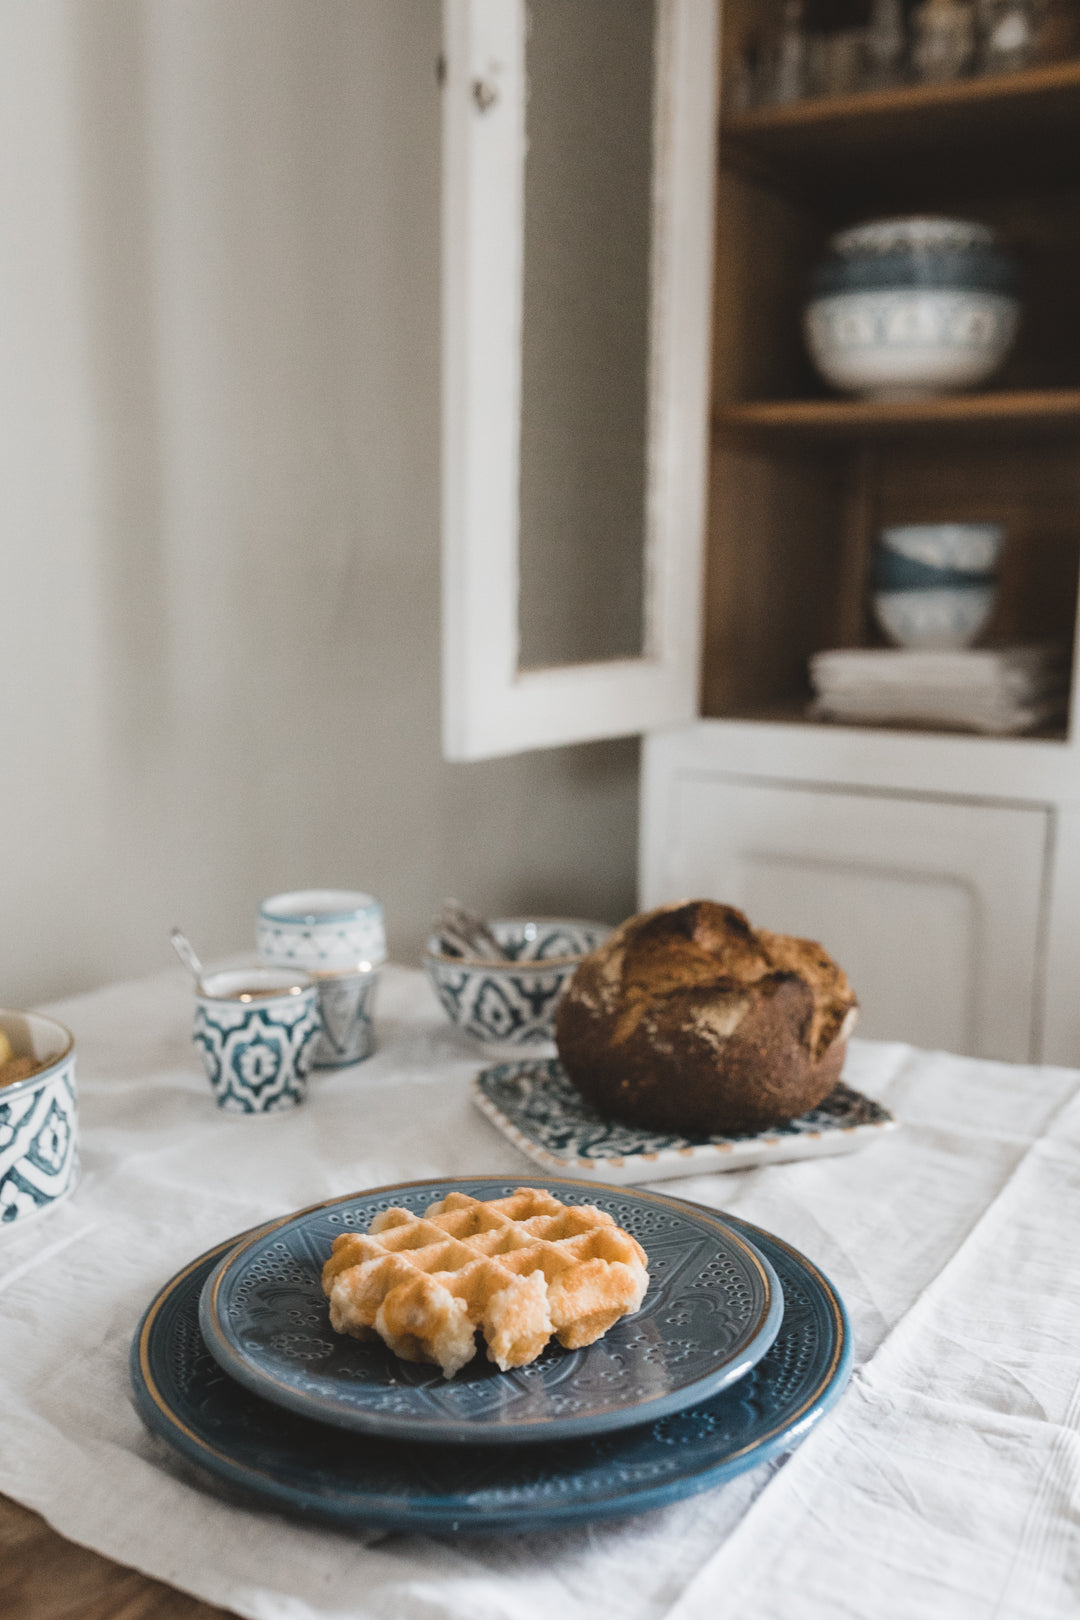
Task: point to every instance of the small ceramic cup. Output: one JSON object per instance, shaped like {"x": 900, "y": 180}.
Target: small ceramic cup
{"x": 38, "y": 1119}
{"x": 338, "y": 937}
{"x": 257, "y": 1029}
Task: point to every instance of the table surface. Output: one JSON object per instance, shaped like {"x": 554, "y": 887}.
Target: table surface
{"x": 945, "y": 1482}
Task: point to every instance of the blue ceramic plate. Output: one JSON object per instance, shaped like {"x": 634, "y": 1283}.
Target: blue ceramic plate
{"x": 712, "y": 1310}
{"x": 534, "y": 1105}
{"x": 269, "y": 1457}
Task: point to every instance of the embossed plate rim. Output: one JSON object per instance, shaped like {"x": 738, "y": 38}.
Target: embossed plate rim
{"x": 223, "y": 1343}
{"x": 680, "y": 1157}
{"x": 261, "y": 1486}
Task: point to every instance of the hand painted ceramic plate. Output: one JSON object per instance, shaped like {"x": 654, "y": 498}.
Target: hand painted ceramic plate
{"x": 273, "y": 1458}
{"x": 712, "y": 1309}
{"x": 536, "y": 1107}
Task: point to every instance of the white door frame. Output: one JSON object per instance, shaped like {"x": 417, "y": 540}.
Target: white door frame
{"x": 490, "y": 706}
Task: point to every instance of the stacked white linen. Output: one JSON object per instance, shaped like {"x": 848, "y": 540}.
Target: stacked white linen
{"x": 1000, "y": 689}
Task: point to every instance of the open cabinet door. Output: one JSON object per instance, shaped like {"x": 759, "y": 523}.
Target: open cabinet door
{"x": 579, "y": 148}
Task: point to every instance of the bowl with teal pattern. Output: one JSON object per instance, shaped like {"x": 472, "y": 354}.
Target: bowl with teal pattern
{"x": 512, "y": 1000}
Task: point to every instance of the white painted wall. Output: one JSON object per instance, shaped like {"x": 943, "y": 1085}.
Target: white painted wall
{"x": 219, "y": 496}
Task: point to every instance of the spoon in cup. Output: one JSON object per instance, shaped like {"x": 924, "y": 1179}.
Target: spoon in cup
{"x": 185, "y": 951}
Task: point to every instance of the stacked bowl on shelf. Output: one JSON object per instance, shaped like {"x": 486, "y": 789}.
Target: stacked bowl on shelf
{"x": 910, "y": 307}
{"x": 934, "y": 584}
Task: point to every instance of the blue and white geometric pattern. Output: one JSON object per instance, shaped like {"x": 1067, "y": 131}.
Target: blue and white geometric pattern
{"x": 258, "y": 1054}
{"x": 38, "y": 1152}
{"x": 345, "y": 1005}
{"x": 534, "y": 1105}
{"x": 318, "y": 941}
{"x": 513, "y": 1002}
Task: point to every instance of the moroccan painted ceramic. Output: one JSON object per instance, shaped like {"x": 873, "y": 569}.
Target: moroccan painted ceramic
{"x": 534, "y": 1105}
{"x": 912, "y": 233}
{"x": 513, "y": 1001}
{"x": 346, "y": 1002}
{"x": 322, "y": 931}
{"x": 970, "y": 548}
{"x": 38, "y": 1120}
{"x": 935, "y": 620}
{"x": 712, "y": 1309}
{"x": 257, "y": 1049}
{"x": 907, "y": 343}
{"x": 287, "y": 1463}
{"x": 907, "y": 307}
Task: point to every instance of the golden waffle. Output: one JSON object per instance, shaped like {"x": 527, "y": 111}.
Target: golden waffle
{"x": 519, "y": 1268}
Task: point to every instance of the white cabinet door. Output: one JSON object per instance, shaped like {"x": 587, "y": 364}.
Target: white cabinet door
{"x": 933, "y": 907}
{"x": 568, "y": 486}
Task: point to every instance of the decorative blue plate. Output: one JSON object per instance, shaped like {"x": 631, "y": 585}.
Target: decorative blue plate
{"x": 533, "y": 1104}
{"x": 712, "y": 1310}
{"x": 269, "y": 1457}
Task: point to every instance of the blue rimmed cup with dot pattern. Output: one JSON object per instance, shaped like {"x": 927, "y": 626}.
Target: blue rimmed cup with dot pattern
{"x": 513, "y": 1001}
{"x": 38, "y": 1116}
{"x": 338, "y": 936}
{"x": 256, "y": 1029}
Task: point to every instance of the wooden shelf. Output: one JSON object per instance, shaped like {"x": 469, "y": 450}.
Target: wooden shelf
{"x": 998, "y": 129}
{"x": 1036, "y": 413}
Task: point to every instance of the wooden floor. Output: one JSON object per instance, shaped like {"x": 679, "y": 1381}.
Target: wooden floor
{"x": 44, "y": 1577}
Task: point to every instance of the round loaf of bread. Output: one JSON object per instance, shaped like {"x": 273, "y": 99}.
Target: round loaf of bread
{"x": 688, "y": 1020}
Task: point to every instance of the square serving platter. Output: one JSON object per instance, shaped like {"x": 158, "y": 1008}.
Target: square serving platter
{"x": 534, "y": 1105}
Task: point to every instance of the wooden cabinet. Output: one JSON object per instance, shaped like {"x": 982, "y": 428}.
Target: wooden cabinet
{"x": 942, "y": 869}
{"x": 939, "y": 868}
{"x": 935, "y": 905}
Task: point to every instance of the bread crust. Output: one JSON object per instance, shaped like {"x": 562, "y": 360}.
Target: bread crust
{"x": 689, "y": 1020}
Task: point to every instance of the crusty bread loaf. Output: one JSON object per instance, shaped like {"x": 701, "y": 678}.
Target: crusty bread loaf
{"x": 688, "y": 1020}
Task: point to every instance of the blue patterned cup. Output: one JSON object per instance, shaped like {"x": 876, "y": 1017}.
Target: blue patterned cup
{"x": 38, "y": 1117}
{"x": 513, "y": 1001}
{"x": 339, "y": 938}
{"x": 257, "y": 1029}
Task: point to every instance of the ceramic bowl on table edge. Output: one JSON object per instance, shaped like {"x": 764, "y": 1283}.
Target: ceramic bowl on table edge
{"x": 265, "y": 1457}
{"x": 534, "y": 1105}
{"x": 712, "y": 1309}
{"x": 513, "y": 1002}
{"x": 38, "y": 1120}
{"x": 257, "y": 1048}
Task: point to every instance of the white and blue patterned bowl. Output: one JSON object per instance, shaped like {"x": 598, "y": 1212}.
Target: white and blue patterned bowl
{"x": 513, "y": 1002}
{"x": 909, "y": 342}
{"x": 942, "y": 620}
{"x": 257, "y": 1049}
{"x": 38, "y": 1120}
{"x": 968, "y": 548}
{"x": 322, "y": 931}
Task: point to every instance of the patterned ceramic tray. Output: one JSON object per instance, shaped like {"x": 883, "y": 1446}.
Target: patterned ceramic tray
{"x": 712, "y": 1309}
{"x": 533, "y": 1103}
{"x": 254, "y": 1451}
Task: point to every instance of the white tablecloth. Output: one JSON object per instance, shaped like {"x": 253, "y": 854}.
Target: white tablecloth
{"x": 946, "y": 1482}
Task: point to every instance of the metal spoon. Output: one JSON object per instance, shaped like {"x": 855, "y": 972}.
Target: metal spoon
{"x": 463, "y": 933}
{"x": 184, "y": 950}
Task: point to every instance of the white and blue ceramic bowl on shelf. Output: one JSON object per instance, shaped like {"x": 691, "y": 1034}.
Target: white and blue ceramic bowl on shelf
{"x": 942, "y": 620}
{"x": 38, "y": 1120}
{"x": 513, "y": 1001}
{"x": 968, "y": 548}
{"x": 935, "y": 584}
{"x": 256, "y": 1029}
{"x": 905, "y": 308}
